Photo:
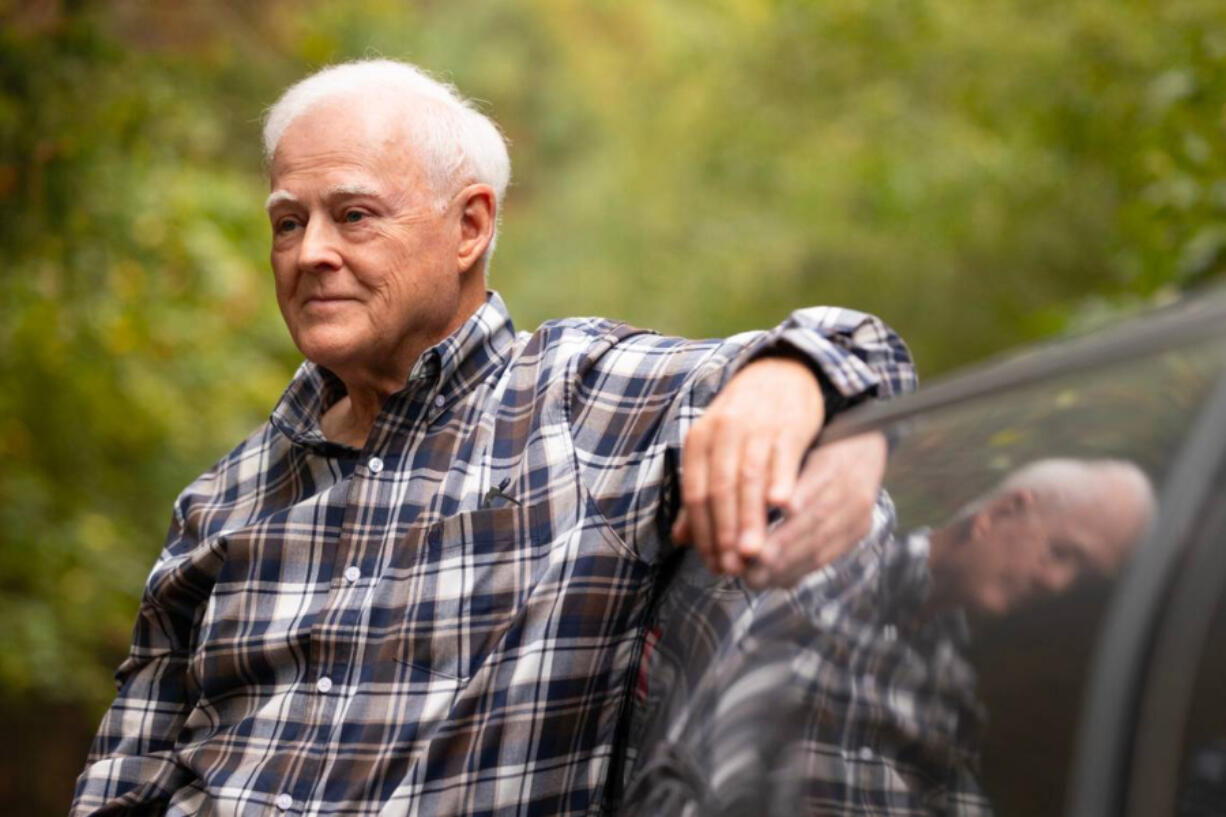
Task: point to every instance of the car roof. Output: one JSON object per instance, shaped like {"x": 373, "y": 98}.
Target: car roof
{"x": 1191, "y": 320}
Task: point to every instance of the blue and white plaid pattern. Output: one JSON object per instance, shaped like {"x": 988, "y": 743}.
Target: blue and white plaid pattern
{"x": 445, "y": 621}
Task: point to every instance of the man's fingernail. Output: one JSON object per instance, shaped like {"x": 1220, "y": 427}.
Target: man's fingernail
{"x": 751, "y": 543}
{"x": 731, "y": 563}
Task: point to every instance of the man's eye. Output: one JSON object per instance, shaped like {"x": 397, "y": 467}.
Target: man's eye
{"x": 285, "y": 225}
{"x": 1065, "y": 552}
{"x": 354, "y": 216}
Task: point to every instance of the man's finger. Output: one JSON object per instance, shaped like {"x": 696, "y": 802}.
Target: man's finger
{"x": 755, "y": 459}
{"x": 784, "y": 562}
{"x": 794, "y": 563}
{"x": 803, "y": 530}
{"x": 809, "y": 502}
{"x": 785, "y": 536}
{"x": 785, "y": 463}
{"x": 681, "y": 528}
{"x": 815, "y": 481}
{"x": 722, "y": 497}
{"x": 813, "y": 543}
{"x": 694, "y": 491}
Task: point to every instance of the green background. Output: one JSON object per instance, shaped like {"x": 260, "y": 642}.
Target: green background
{"x": 978, "y": 172}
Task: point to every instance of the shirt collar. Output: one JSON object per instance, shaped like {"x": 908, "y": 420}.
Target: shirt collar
{"x": 443, "y": 373}
{"x": 470, "y": 354}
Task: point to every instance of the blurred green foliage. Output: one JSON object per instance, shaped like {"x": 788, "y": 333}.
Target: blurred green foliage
{"x": 978, "y": 173}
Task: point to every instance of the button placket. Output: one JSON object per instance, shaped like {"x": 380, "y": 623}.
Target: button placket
{"x": 333, "y": 640}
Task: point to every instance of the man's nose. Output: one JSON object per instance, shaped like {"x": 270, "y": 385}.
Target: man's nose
{"x": 319, "y": 249}
{"x": 1058, "y": 577}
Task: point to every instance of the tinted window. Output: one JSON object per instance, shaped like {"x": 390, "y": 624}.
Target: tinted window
{"x": 1032, "y": 653}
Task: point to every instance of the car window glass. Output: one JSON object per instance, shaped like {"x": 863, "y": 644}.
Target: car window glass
{"x": 1034, "y": 577}
{"x": 939, "y": 666}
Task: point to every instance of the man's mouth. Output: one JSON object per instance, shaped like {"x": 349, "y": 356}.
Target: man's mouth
{"x": 326, "y": 299}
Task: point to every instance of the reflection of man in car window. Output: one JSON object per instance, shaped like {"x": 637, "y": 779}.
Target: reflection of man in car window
{"x": 850, "y": 694}
{"x": 1045, "y": 526}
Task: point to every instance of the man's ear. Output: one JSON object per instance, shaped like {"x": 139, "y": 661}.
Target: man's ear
{"x": 980, "y": 525}
{"x": 478, "y": 212}
{"x": 1011, "y": 503}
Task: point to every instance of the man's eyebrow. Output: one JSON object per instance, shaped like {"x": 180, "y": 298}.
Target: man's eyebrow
{"x": 348, "y": 189}
{"x": 352, "y": 189}
{"x": 277, "y": 197}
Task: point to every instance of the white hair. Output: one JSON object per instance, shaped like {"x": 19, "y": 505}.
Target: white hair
{"x": 456, "y": 143}
{"x": 1059, "y": 483}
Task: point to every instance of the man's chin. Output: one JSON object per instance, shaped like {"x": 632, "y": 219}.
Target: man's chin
{"x": 987, "y": 605}
{"x": 330, "y": 349}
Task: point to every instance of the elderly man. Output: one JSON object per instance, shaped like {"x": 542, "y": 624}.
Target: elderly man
{"x": 419, "y": 588}
{"x": 850, "y": 694}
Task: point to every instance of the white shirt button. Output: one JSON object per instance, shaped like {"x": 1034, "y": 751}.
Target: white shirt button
{"x": 284, "y": 801}
{"x": 352, "y": 573}
{"x": 439, "y": 400}
{"x": 324, "y": 684}
{"x": 375, "y": 465}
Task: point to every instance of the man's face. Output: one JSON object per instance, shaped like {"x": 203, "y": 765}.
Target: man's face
{"x": 363, "y": 257}
{"x": 1004, "y": 554}
{"x": 1022, "y": 550}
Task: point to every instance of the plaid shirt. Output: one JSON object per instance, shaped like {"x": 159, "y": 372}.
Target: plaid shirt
{"x": 837, "y": 697}
{"x": 445, "y": 621}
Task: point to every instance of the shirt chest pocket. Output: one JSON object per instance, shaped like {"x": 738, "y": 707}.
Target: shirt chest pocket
{"x": 456, "y": 586}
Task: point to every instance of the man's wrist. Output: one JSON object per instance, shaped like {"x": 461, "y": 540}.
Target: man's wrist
{"x": 833, "y": 400}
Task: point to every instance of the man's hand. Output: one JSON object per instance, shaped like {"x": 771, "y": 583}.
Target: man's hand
{"x": 830, "y": 510}
{"x": 742, "y": 456}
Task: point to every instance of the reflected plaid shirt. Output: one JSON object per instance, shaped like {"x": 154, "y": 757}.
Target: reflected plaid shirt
{"x": 443, "y": 622}
{"x": 836, "y": 697}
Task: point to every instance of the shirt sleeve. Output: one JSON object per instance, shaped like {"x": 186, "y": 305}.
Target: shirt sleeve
{"x": 131, "y": 767}
{"x": 635, "y": 394}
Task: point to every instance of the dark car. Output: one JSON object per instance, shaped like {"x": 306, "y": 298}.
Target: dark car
{"x": 1036, "y": 625}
